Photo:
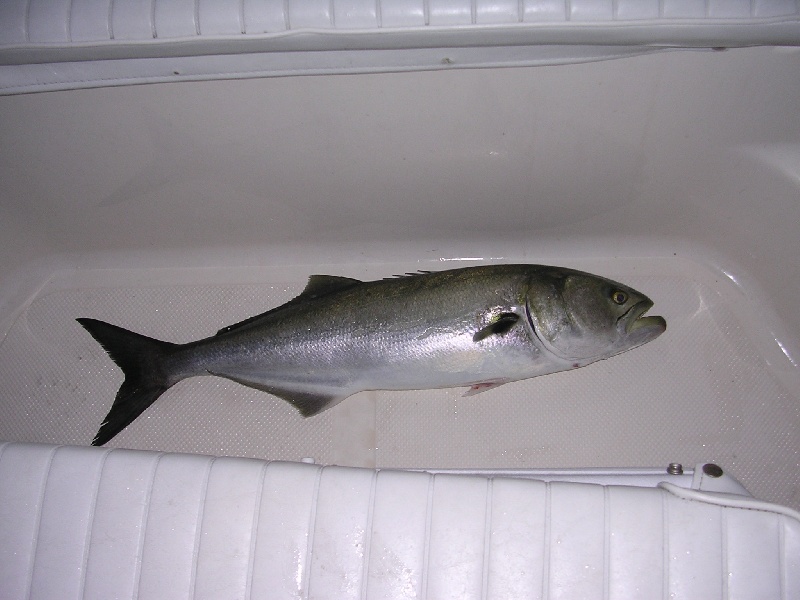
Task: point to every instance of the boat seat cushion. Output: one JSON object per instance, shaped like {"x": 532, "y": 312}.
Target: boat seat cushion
{"x": 84, "y": 522}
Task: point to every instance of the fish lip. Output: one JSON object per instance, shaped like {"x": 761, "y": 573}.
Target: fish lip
{"x": 634, "y": 312}
{"x": 634, "y": 319}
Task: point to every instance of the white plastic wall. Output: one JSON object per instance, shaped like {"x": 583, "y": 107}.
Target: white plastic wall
{"x": 175, "y": 209}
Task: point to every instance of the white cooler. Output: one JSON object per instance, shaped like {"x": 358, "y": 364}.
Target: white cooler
{"x": 176, "y": 166}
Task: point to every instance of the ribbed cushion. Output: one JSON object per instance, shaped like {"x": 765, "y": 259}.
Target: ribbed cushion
{"x": 95, "y": 523}
{"x": 61, "y": 21}
{"x": 69, "y": 44}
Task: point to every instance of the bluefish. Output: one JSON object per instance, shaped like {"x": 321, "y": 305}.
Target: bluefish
{"x": 477, "y": 327}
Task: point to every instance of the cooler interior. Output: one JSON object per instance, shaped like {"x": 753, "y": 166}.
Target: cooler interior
{"x": 175, "y": 209}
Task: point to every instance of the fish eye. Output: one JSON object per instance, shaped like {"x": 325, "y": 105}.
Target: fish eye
{"x": 619, "y": 297}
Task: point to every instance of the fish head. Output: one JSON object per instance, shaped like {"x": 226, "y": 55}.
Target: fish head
{"x": 582, "y": 318}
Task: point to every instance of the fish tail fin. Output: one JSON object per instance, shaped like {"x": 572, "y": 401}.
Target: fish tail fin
{"x": 146, "y": 377}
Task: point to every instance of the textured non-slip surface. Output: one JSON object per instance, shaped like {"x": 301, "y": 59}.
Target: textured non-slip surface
{"x": 94, "y": 523}
{"x": 706, "y": 390}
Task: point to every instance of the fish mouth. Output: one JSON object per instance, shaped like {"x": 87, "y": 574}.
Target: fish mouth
{"x": 642, "y": 329}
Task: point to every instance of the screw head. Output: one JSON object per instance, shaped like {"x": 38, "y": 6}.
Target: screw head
{"x": 675, "y": 469}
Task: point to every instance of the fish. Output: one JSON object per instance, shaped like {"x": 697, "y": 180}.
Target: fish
{"x": 478, "y": 327}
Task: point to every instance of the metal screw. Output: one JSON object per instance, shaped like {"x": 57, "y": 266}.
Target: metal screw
{"x": 712, "y": 470}
{"x": 675, "y": 469}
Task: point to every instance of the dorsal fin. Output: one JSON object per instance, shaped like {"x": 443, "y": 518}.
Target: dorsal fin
{"x": 409, "y": 274}
{"x": 321, "y": 285}
{"x": 318, "y": 285}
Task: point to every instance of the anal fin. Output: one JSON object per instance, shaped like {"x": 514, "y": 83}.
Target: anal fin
{"x": 307, "y": 402}
{"x": 477, "y": 388}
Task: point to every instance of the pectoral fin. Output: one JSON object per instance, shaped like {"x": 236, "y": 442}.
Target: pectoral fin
{"x": 500, "y": 325}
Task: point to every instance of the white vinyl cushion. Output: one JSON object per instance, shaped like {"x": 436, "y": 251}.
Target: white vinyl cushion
{"x": 65, "y": 21}
{"x": 95, "y": 523}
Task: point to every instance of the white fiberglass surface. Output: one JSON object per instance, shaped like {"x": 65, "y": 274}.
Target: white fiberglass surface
{"x": 175, "y": 210}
